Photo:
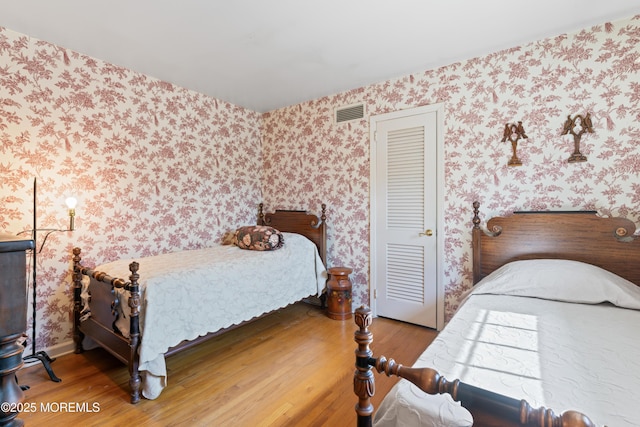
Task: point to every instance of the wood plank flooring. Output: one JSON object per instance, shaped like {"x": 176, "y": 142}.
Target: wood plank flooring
{"x": 293, "y": 367}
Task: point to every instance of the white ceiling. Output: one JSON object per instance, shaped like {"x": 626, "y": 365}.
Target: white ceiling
{"x": 267, "y": 54}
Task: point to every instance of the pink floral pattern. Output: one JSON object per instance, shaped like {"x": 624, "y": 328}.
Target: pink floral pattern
{"x": 596, "y": 70}
{"x": 180, "y": 168}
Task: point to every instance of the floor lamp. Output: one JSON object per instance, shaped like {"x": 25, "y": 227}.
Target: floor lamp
{"x": 42, "y": 356}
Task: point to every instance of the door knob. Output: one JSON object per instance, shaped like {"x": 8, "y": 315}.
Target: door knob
{"x": 427, "y": 232}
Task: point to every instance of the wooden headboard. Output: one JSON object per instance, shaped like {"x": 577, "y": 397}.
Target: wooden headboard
{"x": 583, "y": 236}
{"x": 300, "y": 222}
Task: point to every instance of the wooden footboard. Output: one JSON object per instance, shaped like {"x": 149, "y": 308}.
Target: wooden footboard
{"x": 100, "y": 325}
{"x": 486, "y": 407}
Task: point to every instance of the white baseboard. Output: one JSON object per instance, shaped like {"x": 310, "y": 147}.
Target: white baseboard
{"x": 53, "y": 352}
{"x": 61, "y": 349}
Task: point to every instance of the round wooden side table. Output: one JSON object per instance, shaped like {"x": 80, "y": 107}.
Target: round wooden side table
{"x": 339, "y": 293}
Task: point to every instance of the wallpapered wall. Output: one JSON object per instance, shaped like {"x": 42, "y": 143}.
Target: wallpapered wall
{"x": 180, "y": 168}
{"x": 183, "y": 167}
{"x": 596, "y": 70}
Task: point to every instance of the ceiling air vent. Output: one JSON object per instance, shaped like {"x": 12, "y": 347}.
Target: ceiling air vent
{"x": 352, "y": 112}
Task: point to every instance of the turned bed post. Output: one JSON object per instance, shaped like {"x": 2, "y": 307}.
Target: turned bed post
{"x": 476, "y": 242}
{"x": 363, "y": 380}
{"x": 505, "y": 410}
{"x": 261, "y": 214}
{"x": 134, "y": 332}
{"x": 78, "y": 336}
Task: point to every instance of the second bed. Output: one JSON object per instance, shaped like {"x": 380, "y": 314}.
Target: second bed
{"x": 172, "y": 301}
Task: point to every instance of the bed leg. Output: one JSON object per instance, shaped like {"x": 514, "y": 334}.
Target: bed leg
{"x": 363, "y": 379}
{"x": 134, "y": 333}
{"x": 78, "y": 336}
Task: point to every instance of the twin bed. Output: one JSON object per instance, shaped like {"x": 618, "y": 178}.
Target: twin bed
{"x": 547, "y": 327}
{"x": 173, "y": 301}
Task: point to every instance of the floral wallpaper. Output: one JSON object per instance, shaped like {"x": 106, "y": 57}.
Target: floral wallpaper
{"x": 181, "y": 168}
{"x": 155, "y": 168}
{"x": 595, "y": 70}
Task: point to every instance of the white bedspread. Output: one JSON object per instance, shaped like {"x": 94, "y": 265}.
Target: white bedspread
{"x": 191, "y": 293}
{"x": 560, "y": 355}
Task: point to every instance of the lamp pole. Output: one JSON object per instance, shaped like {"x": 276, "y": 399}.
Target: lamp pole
{"x": 42, "y": 356}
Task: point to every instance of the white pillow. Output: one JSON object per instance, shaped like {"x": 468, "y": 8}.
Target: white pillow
{"x": 560, "y": 280}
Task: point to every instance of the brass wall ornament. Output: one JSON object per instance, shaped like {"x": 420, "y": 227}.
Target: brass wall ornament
{"x": 577, "y": 126}
{"x": 514, "y": 132}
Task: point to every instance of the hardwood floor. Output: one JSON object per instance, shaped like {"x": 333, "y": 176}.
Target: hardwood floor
{"x": 294, "y": 367}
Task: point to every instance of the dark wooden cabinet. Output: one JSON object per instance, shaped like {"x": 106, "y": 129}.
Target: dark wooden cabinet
{"x": 13, "y": 322}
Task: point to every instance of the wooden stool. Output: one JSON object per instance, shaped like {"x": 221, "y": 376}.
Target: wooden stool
{"x": 339, "y": 293}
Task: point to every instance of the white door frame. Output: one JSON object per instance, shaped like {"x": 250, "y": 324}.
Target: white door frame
{"x": 439, "y": 110}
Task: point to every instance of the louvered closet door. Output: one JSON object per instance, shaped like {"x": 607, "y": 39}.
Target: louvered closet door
{"x": 406, "y": 190}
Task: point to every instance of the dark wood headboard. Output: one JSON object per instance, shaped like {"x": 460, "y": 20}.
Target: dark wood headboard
{"x": 300, "y": 222}
{"x": 583, "y": 236}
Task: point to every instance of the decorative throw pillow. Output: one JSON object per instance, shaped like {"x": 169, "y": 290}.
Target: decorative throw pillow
{"x": 258, "y": 238}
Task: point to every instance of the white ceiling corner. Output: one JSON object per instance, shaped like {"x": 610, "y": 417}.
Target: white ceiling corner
{"x": 264, "y": 55}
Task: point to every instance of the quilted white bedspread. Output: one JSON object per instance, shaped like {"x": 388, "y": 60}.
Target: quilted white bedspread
{"x": 560, "y": 355}
{"x": 191, "y": 293}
